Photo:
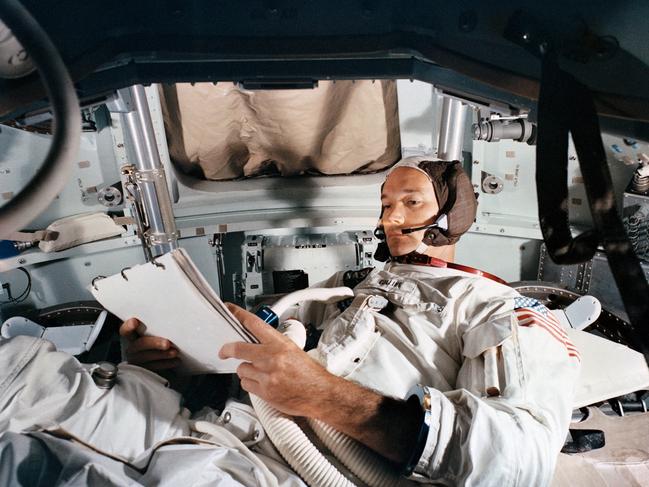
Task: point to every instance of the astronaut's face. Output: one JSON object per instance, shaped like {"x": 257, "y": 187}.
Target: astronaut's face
{"x": 408, "y": 200}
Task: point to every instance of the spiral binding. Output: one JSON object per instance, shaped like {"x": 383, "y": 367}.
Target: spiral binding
{"x": 157, "y": 264}
{"x": 123, "y": 273}
{"x": 95, "y": 280}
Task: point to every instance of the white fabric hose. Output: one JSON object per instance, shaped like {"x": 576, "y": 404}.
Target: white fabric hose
{"x": 294, "y": 445}
{"x": 296, "y": 448}
{"x": 322, "y": 294}
{"x": 370, "y": 467}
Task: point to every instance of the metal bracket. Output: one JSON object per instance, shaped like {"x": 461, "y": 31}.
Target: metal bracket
{"x": 584, "y": 273}
{"x": 161, "y": 238}
{"x": 122, "y": 103}
{"x": 134, "y": 177}
{"x": 149, "y": 175}
{"x": 133, "y": 196}
{"x": 217, "y": 243}
{"x": 576, "y": 276}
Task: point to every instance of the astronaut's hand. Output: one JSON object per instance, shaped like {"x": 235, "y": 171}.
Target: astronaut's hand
{"x": 153, "y": 353}
{"x": 276, "y": 369}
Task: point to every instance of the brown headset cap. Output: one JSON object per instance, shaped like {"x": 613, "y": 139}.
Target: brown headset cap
{"x": 455, "y": 198}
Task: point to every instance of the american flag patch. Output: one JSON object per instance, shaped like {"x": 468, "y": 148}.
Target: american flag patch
{"x": 530, "y": 312}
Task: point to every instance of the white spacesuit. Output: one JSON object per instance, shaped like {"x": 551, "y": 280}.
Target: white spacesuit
{"x": 432, "y": 328}
{"x": 494, "y": 373}
{"x": 57, "y": 427}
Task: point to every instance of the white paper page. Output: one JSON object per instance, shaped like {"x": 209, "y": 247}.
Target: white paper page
{"x": 170, "y": 306}
{"x": 200, "y": 283}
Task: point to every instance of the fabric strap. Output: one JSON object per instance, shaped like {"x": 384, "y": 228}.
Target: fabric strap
{"x": 566, "y": 107}
{"x": 38, "y": 236}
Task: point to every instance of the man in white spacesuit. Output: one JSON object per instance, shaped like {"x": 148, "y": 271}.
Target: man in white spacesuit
{"x": 495, "y": 370}
{"x": 449, "y": 374}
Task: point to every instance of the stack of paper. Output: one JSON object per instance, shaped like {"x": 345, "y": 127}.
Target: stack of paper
{"x": 173, "y": 300}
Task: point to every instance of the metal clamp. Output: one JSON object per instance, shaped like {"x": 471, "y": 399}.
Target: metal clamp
{"x": 162, "y": 238}
{"x": 149, "y": 175}
{"x": 122, "y": 273}
{"x": 127, "y": 169}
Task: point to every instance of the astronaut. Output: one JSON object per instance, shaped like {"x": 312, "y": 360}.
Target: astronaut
{"x": 442, "y": 369}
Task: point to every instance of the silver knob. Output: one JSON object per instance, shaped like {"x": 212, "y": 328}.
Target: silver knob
{"x": 105, "y": 375}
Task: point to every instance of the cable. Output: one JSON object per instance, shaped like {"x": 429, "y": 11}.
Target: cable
{"x": 54, "y": 173}
{"x": 25, "y": 294}
{"x": 296, "y": 447}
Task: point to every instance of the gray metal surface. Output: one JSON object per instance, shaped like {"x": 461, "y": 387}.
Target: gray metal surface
{"x": 21, "y": 151}
{"x": 452, "y": 129}
{"x": 318, "y": 255}
{"x": 593, "y": 277}
{"x": 510, "y": 258}
{"x": 602, "y": 43}
{"x": 160, "y": 232}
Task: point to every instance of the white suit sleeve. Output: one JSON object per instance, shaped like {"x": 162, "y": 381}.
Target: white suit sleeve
{"x": 512, "y": 439}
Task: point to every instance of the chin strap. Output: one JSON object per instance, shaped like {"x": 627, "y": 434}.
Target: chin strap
{"x": 422, "y": 248}
{"x": 382, "y": 253}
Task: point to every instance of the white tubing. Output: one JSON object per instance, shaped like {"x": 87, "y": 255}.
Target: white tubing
{"x": 366, "y": 464}
{"x": 289, "y": 439}
{"x": 294, "y": 330}
{"x": 294, "y": 445}
{"x": 323, "y": 294}
{"x": 296, "y": 448}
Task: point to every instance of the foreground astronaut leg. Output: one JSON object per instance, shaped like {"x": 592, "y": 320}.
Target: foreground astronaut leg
{"x": 43, "y": 388}
{"x": 135, "y": 430}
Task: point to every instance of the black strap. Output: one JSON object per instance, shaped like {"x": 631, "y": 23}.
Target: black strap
{"x": 556, "y": 118}
{"x": 566, "y": 106}
{"x": 584, "y": 440}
